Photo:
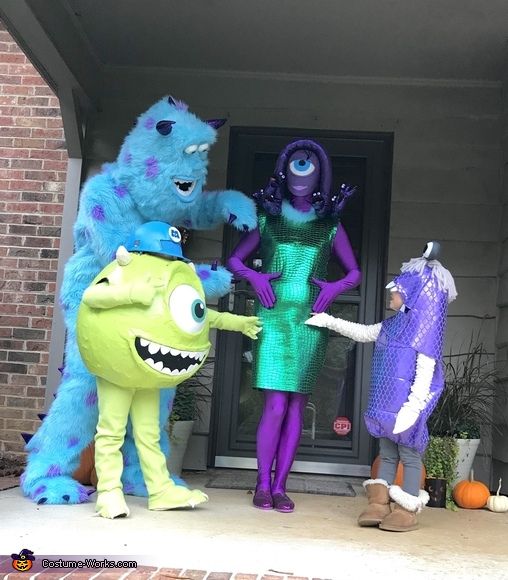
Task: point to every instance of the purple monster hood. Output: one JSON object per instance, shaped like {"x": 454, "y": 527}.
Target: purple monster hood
{"x": 426, "y": 288}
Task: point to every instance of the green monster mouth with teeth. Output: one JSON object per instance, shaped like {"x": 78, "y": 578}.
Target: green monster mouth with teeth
{"x": 167, "y": 360}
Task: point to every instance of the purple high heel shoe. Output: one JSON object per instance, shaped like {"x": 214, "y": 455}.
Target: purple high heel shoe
{"x": 262, "y": 499}
{"x": 282, "y": 503}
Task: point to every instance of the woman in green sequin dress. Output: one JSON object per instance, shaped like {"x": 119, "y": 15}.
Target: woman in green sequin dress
{"x": 297, "y": 231}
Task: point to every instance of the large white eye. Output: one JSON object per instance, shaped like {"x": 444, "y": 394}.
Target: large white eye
{"x": 191, "y": 149}
{"x": 204, "y": 147}
{"x": 187, "y": 308}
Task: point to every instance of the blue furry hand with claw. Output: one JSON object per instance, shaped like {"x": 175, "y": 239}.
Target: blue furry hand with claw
{"x": 159, "y": 175}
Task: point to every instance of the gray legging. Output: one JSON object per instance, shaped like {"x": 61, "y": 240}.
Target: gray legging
{"x": 390, "y": 453}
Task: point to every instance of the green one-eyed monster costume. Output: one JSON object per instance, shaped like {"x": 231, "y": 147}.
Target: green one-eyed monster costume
{"x": 143, "y": 326}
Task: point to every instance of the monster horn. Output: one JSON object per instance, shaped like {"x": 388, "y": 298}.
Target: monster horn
{"x": 123, "y": 257}
{"x": 216, "y": 123}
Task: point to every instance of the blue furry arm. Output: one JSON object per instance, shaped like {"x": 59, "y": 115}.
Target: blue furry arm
{"x": 229, "y": 206}
{"x": 105, "y": 219}
{"x": 216, "y": 282}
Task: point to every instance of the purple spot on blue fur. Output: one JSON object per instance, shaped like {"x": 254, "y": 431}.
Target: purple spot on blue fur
{"x": 121, "y": 190}
{"x": 54, "y": 471}
{"x": 22, "y": 478}
{"x": 39, "y": 490}
{"x": 152, "y": 167}
{"x": 61, "y": 370}
{"x": 91, "y": 399}
{"x": 126, "y": 461}
{"x": 127, "y": 158}
{"x": 204, "y": 274}
{"x": 98, "y": 213}
{"x": 34, "y": 450}
{"x": 149, "y": 123}
{"x": 72, "y": 442}
{"x": 187, "y": 223}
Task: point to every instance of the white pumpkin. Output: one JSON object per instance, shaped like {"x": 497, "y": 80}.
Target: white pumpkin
{"x": 498, "y": 503}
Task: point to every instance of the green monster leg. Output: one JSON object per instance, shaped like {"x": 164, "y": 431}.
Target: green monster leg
{"x": 114, "y": 406}
{"x": 163, "y": 493}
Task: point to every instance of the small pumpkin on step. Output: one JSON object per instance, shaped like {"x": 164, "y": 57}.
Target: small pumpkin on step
{"x": 498, "y": 503}
{"x": 471, "y": 494}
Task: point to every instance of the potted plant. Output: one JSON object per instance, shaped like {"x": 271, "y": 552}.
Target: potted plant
{"x": 440, "y": 462}
{"x": 465, "y": 409}
{"x": 185, "y": 412}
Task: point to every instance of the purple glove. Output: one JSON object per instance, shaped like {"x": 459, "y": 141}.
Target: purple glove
{"x": 262, "y": 287}
{"x": 259, "y": 282}
{"x": 330, "y": 290}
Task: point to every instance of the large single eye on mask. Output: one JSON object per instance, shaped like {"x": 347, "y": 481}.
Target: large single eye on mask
{"x": 302, "y": 173}
{"x": 187, "y": 309}
{"x": 302, "y": 166}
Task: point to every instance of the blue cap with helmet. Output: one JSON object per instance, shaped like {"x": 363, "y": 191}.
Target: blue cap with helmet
{"x": 157, "y": 238}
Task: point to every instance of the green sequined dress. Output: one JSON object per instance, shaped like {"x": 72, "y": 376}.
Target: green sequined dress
{"x": 288, "y": 354}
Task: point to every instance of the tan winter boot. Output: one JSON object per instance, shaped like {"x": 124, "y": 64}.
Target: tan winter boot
{"x": 403, "y": 516}
{"x": 379, "y": 502}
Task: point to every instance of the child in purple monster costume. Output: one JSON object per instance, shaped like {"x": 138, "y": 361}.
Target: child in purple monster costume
{"x": 297, "y": 231}
{"x": 407, "y": 381}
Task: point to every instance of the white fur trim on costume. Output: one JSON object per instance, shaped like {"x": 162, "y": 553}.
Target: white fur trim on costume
{"x": 424, "y": 497}
{"x": 409, "y": 502}
{"x": 353, "y": 330}
{"x": 419, "y": 397}
{"x": 420, "y": 389}
{"x": 373, "y": 481}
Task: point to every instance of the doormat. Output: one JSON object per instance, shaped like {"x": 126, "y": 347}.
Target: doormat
{"x": 297, "y": 483}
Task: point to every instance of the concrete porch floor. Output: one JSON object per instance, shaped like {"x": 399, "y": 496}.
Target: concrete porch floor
{"x": 319, "y": 540}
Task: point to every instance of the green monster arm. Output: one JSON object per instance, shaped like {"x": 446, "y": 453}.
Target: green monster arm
{"x": 107, "y": 295}
{"x": 248, "y": 325}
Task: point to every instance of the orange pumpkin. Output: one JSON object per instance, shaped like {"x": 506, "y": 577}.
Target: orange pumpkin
{"x": 471, "y": 494}
{"x": 85, "y": 473}
{"x": 399, "y": 476}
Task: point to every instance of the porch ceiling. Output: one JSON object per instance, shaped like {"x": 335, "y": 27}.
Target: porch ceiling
{"x": 456, "y": 39}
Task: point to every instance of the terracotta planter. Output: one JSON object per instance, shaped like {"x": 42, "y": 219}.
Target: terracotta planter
{"x": 85, "y": 473}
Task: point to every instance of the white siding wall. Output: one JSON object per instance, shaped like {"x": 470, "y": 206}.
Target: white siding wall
{"x": 500, "y": 442}
{"x": 446, "y": 171}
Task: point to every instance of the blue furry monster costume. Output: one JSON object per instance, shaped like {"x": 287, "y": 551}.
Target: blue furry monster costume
{"x": 159, "y": 175}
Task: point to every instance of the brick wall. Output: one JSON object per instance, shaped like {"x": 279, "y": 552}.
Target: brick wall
{"x": 33, "y": 163}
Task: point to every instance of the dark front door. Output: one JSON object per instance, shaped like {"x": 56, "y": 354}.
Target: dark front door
{"x": 363, "y": 159}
